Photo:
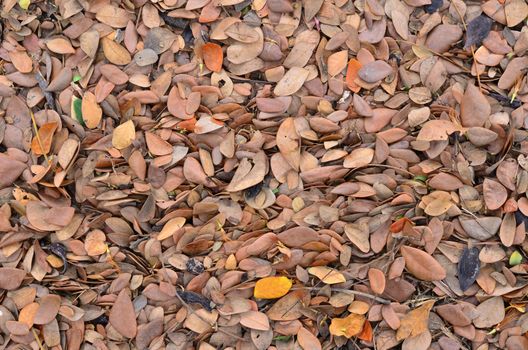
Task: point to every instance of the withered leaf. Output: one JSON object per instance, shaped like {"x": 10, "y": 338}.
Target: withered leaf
{"x": 122, "y": 315}
{"x": 477, "y": 30}
{"x": 468, "y": 267}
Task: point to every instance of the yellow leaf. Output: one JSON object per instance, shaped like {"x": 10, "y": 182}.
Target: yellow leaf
{"x": 421, "y": 52}
{"x": 24, "y": 4}
{"x": 349, "y": 326}
{"x": 415, "y": 322}
{"x": 327, "y": 275}
{"x": 123, "y": 135}
{"x": 272, "y": 287}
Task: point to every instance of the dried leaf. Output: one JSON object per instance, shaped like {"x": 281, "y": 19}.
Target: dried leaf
{"x": 44, "y": 139}
{"x": 415, "y": 322}
{"x": 422, "y": 265}
{"x": 350, "y": 326}
{"x": 213, "y": 56}
{"x": 272, "y": 287}
{"x": 468, "y": 267}
{"x": 123, "y": 135}
{"x": 327, "y": 275}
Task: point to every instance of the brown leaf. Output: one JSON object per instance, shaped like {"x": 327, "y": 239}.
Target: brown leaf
{"x": 307, "y": 340}
{"x": 422, "y": 265}
{"x": 291, "y": 82}
{"x": 474, "y": 108}
{"x": 415, "y": 322}
{"x": 122, "y": 315}
{"x": 288, "y": 142}
{"x": 11, "y": 278}
{"x": 114, "y": 16}
{"x": 60, "y": 45}
{"x": 507, "y": 229}
{"x": 115, "y": 53}
{"x": 358, "y": 158}
{"x": 255, "y": 320}
{"x": 377, "y": 280}
{"x": 494, "y": 194}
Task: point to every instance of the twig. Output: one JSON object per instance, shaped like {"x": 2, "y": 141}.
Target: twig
{"x": 37, "y": 338}
{"x": 191, "y": 310}
{"x": 353, "y": 292}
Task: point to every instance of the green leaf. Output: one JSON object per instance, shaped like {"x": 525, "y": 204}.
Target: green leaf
{"x": 282, "y": 338}
{"x": 275, "y": 190}
{"x": 76, "y": 110}
{"x": 421, "y": 178}
{"x": 515, "y": 258}
{"x": 76, "y": 78}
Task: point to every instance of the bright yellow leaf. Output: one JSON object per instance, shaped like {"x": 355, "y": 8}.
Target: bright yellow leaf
{"x": 272, "y": 287}
{"x": 24, "y": 4}
{"x": 349, "y": 326}
{"x": 123, "y": 135}
{"x": 327, "y": 275}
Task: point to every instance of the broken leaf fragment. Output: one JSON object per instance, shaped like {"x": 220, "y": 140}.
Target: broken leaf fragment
{"x": 272, "y": 287}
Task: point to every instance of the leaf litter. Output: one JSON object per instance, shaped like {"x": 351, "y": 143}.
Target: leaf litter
{"x": 266, "y": 174}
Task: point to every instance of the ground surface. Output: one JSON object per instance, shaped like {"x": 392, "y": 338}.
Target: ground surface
{"x": 266, "y": 174}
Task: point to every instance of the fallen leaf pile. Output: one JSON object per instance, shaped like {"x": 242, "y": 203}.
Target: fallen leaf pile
{"x": 264, "y": 174}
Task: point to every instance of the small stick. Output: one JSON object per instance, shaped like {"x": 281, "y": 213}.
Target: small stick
{"x": 353, "y": 292}
{"x": 37, "y": 338}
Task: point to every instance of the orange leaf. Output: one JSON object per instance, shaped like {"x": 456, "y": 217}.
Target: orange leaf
{"x": 187, "y": 124}
{"x": 415, "y": 322}
{"x": 366, "y": 333}
{"x": 213, "y": 56}
{"x": 272, "y": 287}
{"x": 352, "y": 73}
{"x": 349, "y": 326}
{"x": 398, "y": 225}
{"x": 91, "y": 112}
{"x": 45, "y": 133}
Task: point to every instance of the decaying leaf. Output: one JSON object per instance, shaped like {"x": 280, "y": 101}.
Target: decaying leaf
{"x": 468, "y": 267}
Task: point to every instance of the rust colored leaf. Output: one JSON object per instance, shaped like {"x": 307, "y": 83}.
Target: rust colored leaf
{"x": 44, "y": 139}
{"x": 213, "y": 56}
